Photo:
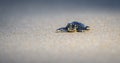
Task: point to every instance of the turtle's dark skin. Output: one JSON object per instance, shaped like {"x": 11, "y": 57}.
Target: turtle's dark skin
{"x": 73, "y": 27}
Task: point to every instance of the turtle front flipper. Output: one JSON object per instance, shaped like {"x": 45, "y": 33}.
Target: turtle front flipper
{"x": 63, "y": 29}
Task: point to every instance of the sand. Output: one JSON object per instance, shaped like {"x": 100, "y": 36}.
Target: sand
{"x": 30, "y": 37}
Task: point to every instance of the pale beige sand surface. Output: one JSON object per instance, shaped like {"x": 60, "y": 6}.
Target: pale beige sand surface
{"x": 27, "y": 31}
{"x": 32, "y": 39}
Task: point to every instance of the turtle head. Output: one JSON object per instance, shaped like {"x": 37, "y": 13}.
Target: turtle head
{"x": 87, "y": 28}
{"x": 71, "y": 27}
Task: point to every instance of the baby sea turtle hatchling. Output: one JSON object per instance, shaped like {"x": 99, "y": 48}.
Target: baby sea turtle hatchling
{"x": 73, "y": 27}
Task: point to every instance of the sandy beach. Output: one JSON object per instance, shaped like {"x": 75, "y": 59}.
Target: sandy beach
{"x": 30, "y": 37}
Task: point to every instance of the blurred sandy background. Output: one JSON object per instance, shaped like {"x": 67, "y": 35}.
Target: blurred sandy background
{"x": 27, "y": 31}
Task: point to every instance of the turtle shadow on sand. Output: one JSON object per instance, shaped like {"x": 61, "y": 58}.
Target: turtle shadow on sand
{"x": 74, "y": 27}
